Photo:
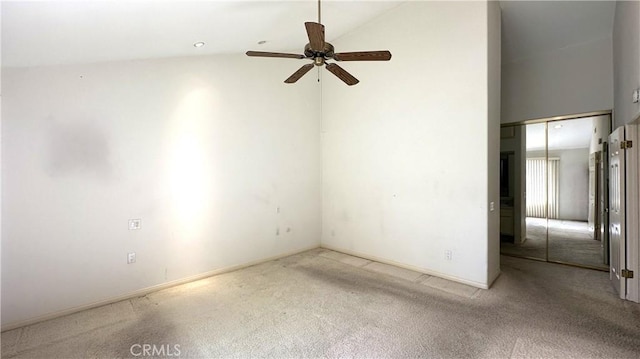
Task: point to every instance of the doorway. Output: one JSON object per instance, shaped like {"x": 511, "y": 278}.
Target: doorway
{"x": 553, "y": 190}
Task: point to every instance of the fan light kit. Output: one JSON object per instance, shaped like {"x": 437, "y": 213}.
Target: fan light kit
{"x": 320, "y": 51}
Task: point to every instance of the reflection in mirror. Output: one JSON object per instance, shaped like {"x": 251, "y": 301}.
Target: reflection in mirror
{"x": 523, "y": 223}
{"x": 575, "y": 196}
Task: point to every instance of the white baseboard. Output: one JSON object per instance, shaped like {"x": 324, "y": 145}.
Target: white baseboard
{"x": 145, "y": 291}
{"x": 155, "y": 288}
{"x": 409, "y": 267}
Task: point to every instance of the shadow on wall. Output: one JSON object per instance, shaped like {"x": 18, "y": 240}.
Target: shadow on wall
{"x": 77, "y": 148}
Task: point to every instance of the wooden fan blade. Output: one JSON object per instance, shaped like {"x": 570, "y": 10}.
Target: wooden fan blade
{"x": 274, "y": 54}
{"x": 342, "y": 74}
{"x": 315, "y": 32}
{"x": 298, "y": 74}
{"x": 363, "y": 56}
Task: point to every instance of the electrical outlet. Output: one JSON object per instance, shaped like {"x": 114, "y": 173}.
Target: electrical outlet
{"x": 492, "y": 206}
{"x": 135, "y": 224}
{"x": 636, "y": 95}
{"x": 448, "y": 255}
{"x": 131, "y": 258}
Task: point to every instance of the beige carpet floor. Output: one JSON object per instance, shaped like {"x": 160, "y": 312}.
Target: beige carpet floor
{"x": 326, "y": 304}
{"x": 569, "y": 242}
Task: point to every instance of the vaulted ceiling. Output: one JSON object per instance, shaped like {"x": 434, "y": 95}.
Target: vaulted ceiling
{"x": 66, "y": 32}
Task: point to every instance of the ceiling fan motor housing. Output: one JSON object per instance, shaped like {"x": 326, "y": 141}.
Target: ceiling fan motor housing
{"x": 326, "y": 53}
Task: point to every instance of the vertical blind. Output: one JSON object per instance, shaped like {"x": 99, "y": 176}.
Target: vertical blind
{"x": 537, "y": 184}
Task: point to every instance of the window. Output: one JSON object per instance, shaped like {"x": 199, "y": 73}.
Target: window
{"x": 537, "y": 183}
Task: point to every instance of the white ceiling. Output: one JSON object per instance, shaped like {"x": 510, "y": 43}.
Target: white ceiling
{"x": 69, "y": 32}
{"x": 533, "y": 27}
{"x": 572, "y": 135}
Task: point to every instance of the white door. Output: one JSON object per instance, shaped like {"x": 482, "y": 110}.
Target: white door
{"x": 617, "y": 211}
{"x": 631, "y": 213}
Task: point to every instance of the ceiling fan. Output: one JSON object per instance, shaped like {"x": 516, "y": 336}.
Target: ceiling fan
{"x": 320, "y": 51}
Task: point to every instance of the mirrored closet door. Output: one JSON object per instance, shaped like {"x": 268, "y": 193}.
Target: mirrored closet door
{"x": 523, "y": 227}
{"x": 553, "y": 190}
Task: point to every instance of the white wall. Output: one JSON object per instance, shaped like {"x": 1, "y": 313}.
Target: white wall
{"x": 405, "y": 152}
{"x": 626, "y": 55}
{"x": 493, "y": 132}
{"x": 574, "y": 183}
{"x": 204, "y": 150}
{"x": 571, "y": 80}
